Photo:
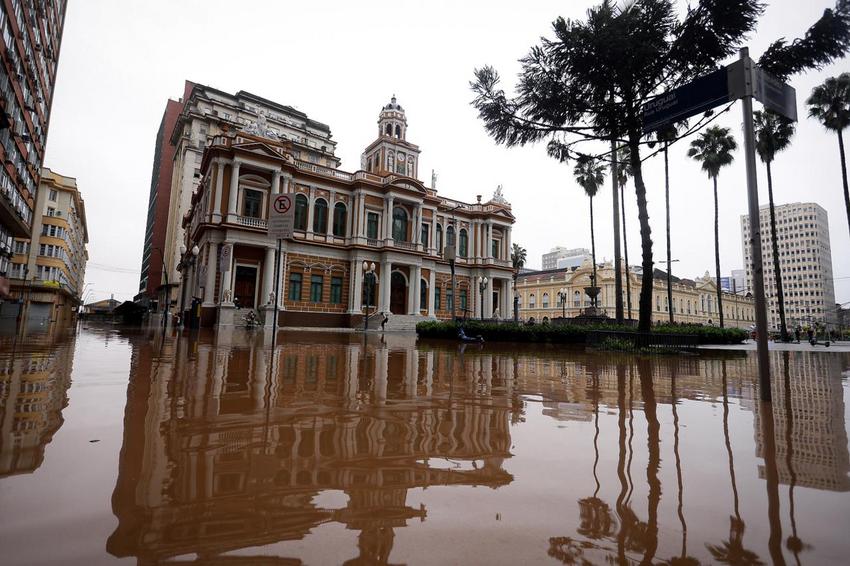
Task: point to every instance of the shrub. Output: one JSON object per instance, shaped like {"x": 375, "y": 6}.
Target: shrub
{"x": 567, "y": 334}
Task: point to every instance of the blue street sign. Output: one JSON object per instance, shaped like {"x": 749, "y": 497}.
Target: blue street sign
{"x": 688, "y": 100}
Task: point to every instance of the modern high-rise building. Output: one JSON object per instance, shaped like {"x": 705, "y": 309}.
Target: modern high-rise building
{"x": 48, "y": 269}
{"x": 560, "y": 257}
{"x": 805, "y": 263}
{"x": 30, "y": 37}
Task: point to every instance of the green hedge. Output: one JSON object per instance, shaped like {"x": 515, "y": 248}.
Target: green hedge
{"x": 567, "y": 334}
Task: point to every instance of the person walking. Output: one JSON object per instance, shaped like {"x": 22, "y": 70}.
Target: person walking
{"x": 797, "y": 334}
{"x": 384, "y": 322}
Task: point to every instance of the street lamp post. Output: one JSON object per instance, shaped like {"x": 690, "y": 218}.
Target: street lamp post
{"x": 562, "y": 296}
{"x": 482, "y": 286}
{"x": 369, "y": 279}
{"x": 186, "y": 263}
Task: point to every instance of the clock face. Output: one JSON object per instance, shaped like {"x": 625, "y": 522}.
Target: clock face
{"x": 400, "y": 157}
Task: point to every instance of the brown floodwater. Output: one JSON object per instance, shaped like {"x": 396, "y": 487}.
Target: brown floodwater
{"x": 332, "y": 448}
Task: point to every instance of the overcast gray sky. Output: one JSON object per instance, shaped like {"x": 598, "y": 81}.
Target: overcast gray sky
{"x": 339, "y": 62}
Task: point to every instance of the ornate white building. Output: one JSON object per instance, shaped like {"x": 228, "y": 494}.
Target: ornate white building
{"x": 382, "y": 215}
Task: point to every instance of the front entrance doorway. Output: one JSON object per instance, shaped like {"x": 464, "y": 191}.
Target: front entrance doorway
{"x": 245, "y": 286}
{"x": 398, "y": 293}
{"x": 496, "y": 305}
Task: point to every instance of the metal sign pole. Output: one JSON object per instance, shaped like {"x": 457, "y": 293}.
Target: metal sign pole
{"x": 276, "y": 290}
{"x": 755, "y": 233}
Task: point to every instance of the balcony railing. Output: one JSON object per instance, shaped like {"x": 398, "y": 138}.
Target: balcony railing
{"x": 251, "y": 221}
{"x": 404, "y": 245}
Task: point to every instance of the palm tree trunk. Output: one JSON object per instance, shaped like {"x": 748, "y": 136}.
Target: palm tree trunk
{"x": 626, "y": 253}
{"x": 667, "y": 203}
{"x": 593, "y": 252}
{"x": 844, "y": 175}
{"x": 717, "y": 254}
{"x": 777, "y": 275}
{"x": 645, "y": 302}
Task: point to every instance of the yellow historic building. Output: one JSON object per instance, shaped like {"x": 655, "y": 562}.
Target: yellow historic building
{"x": 544, "y": 295}
{"x": 47, "y": 270}
{"x": 382, "y": 215}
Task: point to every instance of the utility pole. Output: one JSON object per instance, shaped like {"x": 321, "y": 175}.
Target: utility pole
{"x": 755, "y": 233}
{"x": 618, "y": 270}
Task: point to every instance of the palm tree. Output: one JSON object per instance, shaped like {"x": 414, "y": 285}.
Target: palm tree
{"x": 666, "y": 136}
{"x": 773, "y": 134}
{"x": 713, "y": 148}
{"x": 830, "y": 104}
{"x": 518, "y": 257}
{"x": 590, "y": 174}
{"x": 624, "y": 171}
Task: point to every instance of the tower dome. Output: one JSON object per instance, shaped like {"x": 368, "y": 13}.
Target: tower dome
{"x": 391, "y": 121}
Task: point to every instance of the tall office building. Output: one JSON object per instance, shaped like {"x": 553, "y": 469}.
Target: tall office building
{"x": 805, "y": 263}
{"x": 560, "y": 257}
{"x": 30, "y": 36}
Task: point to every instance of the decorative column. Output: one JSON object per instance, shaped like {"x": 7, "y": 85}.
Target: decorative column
{"x": 268, "y": 278}
{"x": 417, "y": 227}
{"x": 219, "y": 178}
{"x": 226, "y": 278}
{"x": 209, "y": 287}
{"x": 287, "y": 183}
{"x": 330, "y": 224}
{"x": 276, "y": 182}
{"x": 384, "y": 287}
{"x": 508, "y": 301}
{"x": 416, "y": 284}
{"x": 356, "y": 294}
{"x": 234, "y": 191}
{"x": 388, "y": 218}
{"x": 488, "y": 299}
{"x": 431, "y": 287}
{"x": 488, "y": 233}
{"x": 311, "y": 197}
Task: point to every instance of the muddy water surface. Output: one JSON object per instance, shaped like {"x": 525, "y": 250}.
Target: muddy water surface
{"x": 326, "y": 449}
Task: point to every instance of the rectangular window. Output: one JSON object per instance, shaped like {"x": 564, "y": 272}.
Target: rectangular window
{"x": 436, "y": 298}
{"x": 372, "y": 225}
{"x": 423, "y": 237}
{"x": 51, "y": 211}
{"x": 450, "y": 300}
{"x": 252, "y": 203}
{"x": 316, "y": 284}
{"x": 494, "y": 244}
{"x": 336, "y": 290}
{"x": 53, "y": 195}
{"x": 463, "y": 300}
{"x": 294, "y": 286}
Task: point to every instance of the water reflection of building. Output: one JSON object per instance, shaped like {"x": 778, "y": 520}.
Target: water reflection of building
{"x": 33, "y": 391}
{"x": 224, "y": 450}
{"x": 809, "y": 427}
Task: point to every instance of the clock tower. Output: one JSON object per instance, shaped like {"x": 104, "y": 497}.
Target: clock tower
{"x": 391, "y": 152}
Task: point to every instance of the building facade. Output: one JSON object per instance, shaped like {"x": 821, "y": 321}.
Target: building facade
{"x": 805, "y": 263}
{"x": 30, "y": 37}
{"x": 47, "y": 270}
{"x": 381, "y": 216}
{"x": 560, "y": 257}
{"x": 545, "y": 295}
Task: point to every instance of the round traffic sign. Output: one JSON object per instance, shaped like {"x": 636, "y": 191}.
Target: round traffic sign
{"x": 282, "y": 203}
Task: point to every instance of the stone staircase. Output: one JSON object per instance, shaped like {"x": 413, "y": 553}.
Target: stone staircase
{"x": 402, "y": 322}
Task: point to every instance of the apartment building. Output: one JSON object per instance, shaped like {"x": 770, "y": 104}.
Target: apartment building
{"x": 381, "y": 215}
{"x": 47, "y": 270}
{"x": 30, "y": 37}
{"x": 560, "y": 257}
{"x": 805, "y": 263}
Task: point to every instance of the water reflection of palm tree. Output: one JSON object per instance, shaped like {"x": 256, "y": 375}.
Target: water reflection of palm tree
{"x": 653, "y": 441}
{"x": 597, "y": 521}
{"x": 794, "y": 544}
{"x": 732, "y": 551}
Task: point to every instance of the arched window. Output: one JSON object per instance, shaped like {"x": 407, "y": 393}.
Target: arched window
{"x": 399, "y": 224}
{"x": 389, "y": 129}
{"x": 531, "y": 301}
{"x": 689, "y": 307}
{"x": 320, "y": 216}
{"x": 709, "y": 303}
{"x": 577, "y": 299}
{"x": 450, "y": 236}
{"x": 423, "y": 295}
{"x": 301, "y": 206}
{"x": 702, "y": 299}
{"x": 339, "y": 219}
{"x": 545, "y": 300}
{"x": 397, "y": 131}
{"x": 440, "y": 239}
{"x": 464, "y": 243}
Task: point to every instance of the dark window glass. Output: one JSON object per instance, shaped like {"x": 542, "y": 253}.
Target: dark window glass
{"x": 424, "y": 235}
{"x": 320, "y": 216}
{"x": 463, "y": 299}
{"x": 316, "y": 284}
{"x": 399, "y": 224}
{"x": 294, "y": 286}
{"x": 464, "y": 243}
{"x": 423, "y": 294}
{"x": 372, "y": 225}
{"x": 301, "y": 212}
{"x": 336, "y": 290}
{"x": 252, "y": 203}
{"x": 339, "y": 219}
{"x": 436, "y": 298}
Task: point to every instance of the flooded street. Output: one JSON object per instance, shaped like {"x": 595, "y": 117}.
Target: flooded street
{"x": 340, "y": 448}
